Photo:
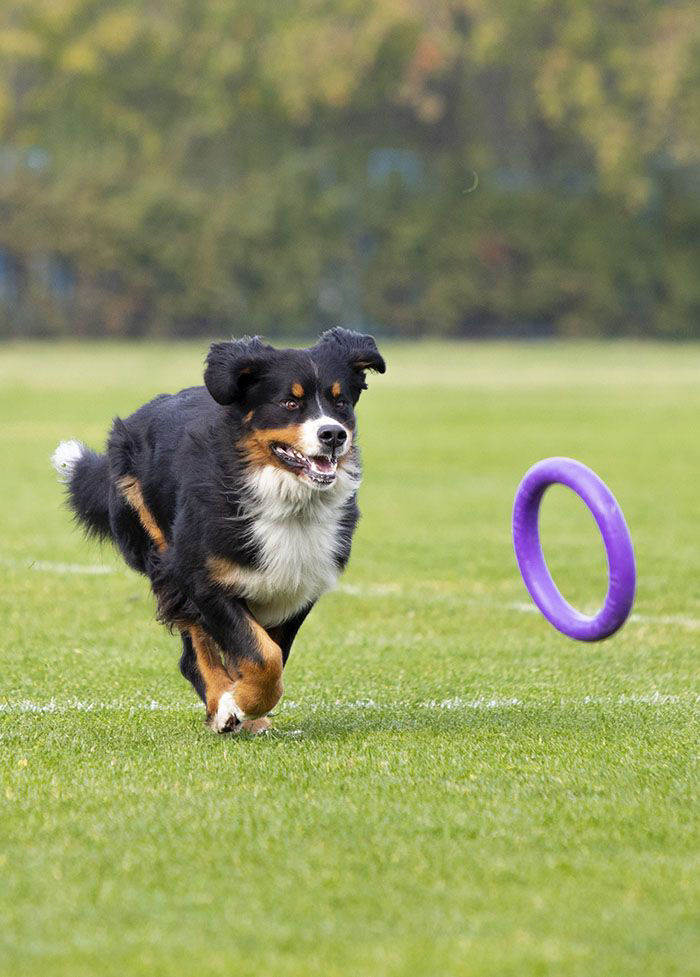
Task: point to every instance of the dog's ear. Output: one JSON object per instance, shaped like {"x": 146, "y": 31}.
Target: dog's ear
{"x": 233, "y": 366}
{"x": 359, "y": 351}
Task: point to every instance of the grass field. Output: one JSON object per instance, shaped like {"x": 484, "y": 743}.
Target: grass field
{"x": 452, "y": 788}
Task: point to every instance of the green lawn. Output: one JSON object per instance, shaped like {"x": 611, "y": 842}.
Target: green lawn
{"x": 452, "y": 787}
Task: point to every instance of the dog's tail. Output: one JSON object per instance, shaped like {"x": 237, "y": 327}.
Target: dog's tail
{"x": 86, "y": 475}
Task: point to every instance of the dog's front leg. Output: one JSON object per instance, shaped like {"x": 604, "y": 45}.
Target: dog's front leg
{"x": 284, "y": 634}
{"x": 240, "y": 664}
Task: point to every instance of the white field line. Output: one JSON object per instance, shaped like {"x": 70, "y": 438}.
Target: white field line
{"x": 370, "y": 590}
{"x": 48, "y": 566}
{"x": 78, "y": 705}
{"x": 521, "y": 607}
{"x": 683, "y": 620}
{"x": 458, "y": 703}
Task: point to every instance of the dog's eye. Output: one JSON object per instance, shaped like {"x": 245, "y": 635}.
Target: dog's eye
{"x": 341, "y": 404}
{"x": 290, "y": 404}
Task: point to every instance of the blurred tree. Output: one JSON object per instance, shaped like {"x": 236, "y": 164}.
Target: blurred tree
{"x": 195, "y": 166}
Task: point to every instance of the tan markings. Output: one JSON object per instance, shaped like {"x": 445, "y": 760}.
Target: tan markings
{"x": 249, "y": 416}
{"x": 258, "y": 445}
{"x": 223, "y": 571}
{"x": 130, "y": 487}
{"x": 297, "y": 389}
{"x": 335, "y": 389}
{"x": 256, "y": 686}
{"x": 215, "y": 677}
{"x": 259, "y": 687}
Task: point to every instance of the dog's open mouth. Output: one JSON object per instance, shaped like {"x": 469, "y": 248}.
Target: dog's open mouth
{"x": 321, "y": 469}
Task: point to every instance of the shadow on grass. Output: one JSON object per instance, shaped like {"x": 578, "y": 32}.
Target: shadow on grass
{"x": 144, "y": 732}
{"x": 542, "y": 723}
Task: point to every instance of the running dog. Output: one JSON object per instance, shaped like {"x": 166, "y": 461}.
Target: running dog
{"x": 237, "y": 500}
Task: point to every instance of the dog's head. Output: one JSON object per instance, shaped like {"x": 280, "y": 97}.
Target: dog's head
{"x": 296, "y": 406}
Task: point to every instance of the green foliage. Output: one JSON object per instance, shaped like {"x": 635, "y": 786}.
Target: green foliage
{"x": 207, "y": 166}
{"x": 576, "y": 264}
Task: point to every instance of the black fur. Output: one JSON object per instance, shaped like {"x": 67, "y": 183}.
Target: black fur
{"x": 193, "y": 454}
{"x": 89, "y": 494}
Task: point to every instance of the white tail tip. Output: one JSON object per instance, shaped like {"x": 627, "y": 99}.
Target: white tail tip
{"x": 65, "y": 458}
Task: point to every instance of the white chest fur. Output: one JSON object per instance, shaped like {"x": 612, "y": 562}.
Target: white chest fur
{"x": 297, "y": 530}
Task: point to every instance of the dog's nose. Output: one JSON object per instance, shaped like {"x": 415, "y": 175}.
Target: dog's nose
{"x": 332, "y": 435}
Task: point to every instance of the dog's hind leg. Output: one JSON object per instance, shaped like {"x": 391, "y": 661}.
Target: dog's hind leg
{"x": 189, "y": 667}
{"x": 139, "y": 537}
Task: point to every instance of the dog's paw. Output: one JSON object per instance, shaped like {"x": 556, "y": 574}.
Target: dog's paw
{"x": 227, "y": 717}
{"x": 255, "y": 726}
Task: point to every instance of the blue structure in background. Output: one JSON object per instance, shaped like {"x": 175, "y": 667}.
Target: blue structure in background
{"x": 11, "y": 279}
{"x": 385, "y": 164}
{"x": 51, "y": 275}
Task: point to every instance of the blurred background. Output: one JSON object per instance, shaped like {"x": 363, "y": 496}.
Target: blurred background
{"x": 413, "y": 167}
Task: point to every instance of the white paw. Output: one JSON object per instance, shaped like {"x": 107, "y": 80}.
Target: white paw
{"x": 228, "y": 717}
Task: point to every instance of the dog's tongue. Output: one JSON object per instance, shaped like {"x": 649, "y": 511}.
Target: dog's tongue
{"x": 323, "y": 464}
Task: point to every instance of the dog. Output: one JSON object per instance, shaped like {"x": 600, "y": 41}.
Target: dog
{"x": 238, "y": 501}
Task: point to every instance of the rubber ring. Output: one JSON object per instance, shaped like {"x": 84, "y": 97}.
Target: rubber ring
{"x": 622, "y": 574}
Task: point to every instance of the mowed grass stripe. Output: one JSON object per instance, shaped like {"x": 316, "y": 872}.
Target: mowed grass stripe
{"x": 377, "y": 590}
{"x": 657, "y": 699}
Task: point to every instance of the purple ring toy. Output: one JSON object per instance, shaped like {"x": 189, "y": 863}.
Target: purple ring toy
{"x": 616, "y": 537}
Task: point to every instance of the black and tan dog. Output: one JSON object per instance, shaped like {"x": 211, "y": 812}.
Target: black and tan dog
{"x": 238, "y": 501}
